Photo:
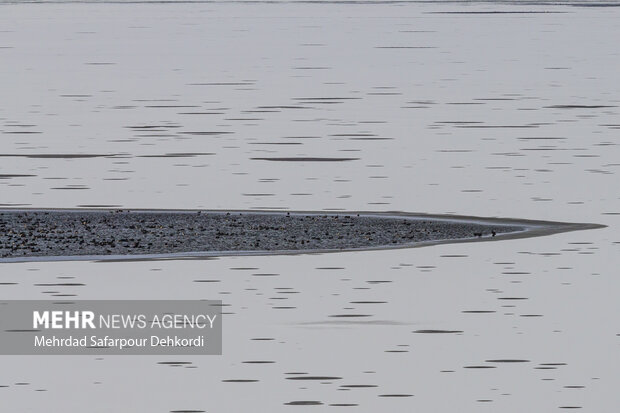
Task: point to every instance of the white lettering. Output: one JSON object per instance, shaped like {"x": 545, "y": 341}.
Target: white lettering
{"x": 40, "y": 319}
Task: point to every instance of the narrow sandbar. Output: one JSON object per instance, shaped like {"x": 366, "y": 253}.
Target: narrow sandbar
{"x": 61, "y": 234}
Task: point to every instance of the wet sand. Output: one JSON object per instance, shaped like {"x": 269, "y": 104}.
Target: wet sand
{"x": 122, "y": 233}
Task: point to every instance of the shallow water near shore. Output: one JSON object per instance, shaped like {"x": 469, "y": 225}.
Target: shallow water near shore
{"x": 476, "y": 109}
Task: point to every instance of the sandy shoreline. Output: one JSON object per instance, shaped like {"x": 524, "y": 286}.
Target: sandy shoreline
{"x": 68, "y": 234}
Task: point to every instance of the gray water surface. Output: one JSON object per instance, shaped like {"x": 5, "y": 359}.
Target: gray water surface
{"x": 485, "y": 109}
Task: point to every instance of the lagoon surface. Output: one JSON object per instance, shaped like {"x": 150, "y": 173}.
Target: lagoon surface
{"x": 491, "y": 109}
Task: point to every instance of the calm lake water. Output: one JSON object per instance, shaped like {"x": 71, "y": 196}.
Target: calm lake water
{"x": 507, "y": 109}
